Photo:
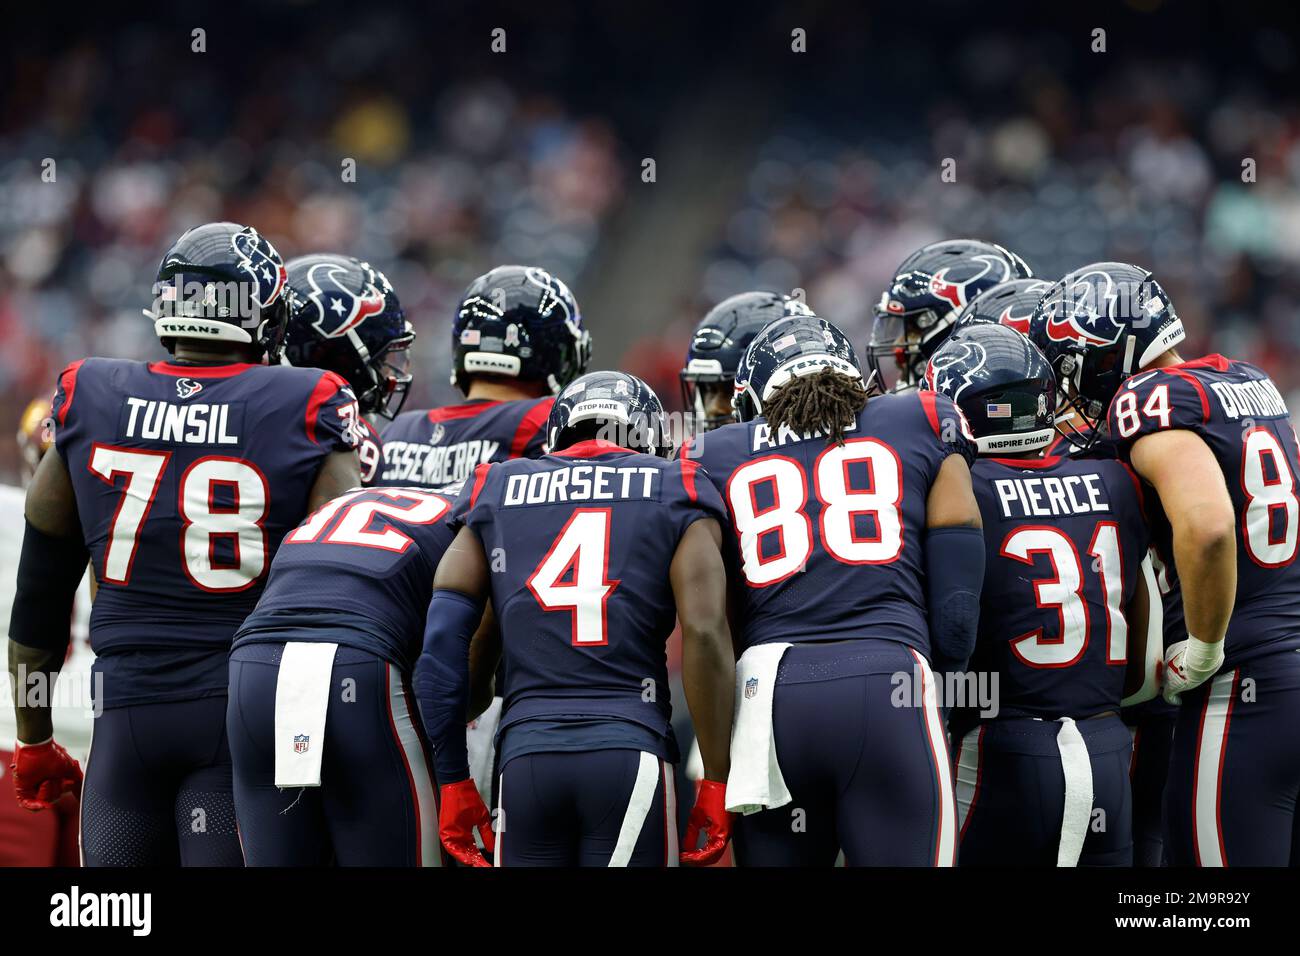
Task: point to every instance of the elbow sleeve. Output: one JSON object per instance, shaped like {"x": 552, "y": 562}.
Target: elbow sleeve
{"x": 954, "y": 570}
{"x": 49, "y": 571}
{"x": 441, "y": 679}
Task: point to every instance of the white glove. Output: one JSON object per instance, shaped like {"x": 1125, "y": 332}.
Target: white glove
{"x": 1189, "y": 664}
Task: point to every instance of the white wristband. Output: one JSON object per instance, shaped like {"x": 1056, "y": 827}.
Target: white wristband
{"x": 1202, "y": 658}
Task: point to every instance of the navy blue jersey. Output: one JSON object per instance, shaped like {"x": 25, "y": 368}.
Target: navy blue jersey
{"x": 1064, "y": 539}
{"x": 829, "y": 538}
{"x": 357, "y": 572}
{"x": 433, "y": 449}
{"x": 186, "y": 478}
{"x": 370, "y": 453}
{"x": 1239, "y": 413}
{"x": 580, "y": 544}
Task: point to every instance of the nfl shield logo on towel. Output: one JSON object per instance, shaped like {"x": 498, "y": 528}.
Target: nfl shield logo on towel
{"x": 751, "y": 688}
{"x": 300, "y": 743}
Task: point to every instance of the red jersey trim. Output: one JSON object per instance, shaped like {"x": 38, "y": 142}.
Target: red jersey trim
{"x": 1051, "y": 461}
{"x": 592, "y": 448}
{"x": 480, "y": 478}
{"x": 1214, "y": 361}
{"x": 201, "y": 371}
{"x": 325, "y": 389}
{"x": 1200, "y": 389}
{"x": 469, "y": 410}
{"x": 688, "y": 477}
{"x": 68, "y": 380}
{"x": 533, "y": 422}
{"x": 931, "y": 410}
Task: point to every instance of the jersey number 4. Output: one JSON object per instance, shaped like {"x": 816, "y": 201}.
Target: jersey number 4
{"x": 844, "y": 512}
{"x": 203, "y": 521}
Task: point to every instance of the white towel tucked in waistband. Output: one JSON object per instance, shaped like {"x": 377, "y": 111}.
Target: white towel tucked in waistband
{"x": 302, "y": 693}
{"x": 1077, "y": 768}
{"x": 755, "y": 782}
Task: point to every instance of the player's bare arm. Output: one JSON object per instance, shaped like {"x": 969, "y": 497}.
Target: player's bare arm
{"x": 954, "y": 565}
{"x": 1143, "y": 646}
{"x": 952, "y": 503}
{"x": 341, "y": 472}
{"x": 1184, "y": 473}
{"x": 699, "y": 582}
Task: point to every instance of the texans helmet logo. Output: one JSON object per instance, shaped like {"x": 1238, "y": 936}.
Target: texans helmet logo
{"x": 185, "y": 387}
{"x": 954, "y": 291}
{"x": 338, "y": 311}
{"x": 261, "y": 263}
{"x": 1018, "y": 322}
{"x": 955, "y": 365}
{"x": 1075, "y": 316}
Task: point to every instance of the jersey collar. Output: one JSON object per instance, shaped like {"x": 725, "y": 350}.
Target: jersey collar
{"x": 1051, "y": 461}
{"x": 592, "y": 448}
{"x": 467, "y": 410}
{"x": 201, "y": 371}
{"x": 1214, "y": 361}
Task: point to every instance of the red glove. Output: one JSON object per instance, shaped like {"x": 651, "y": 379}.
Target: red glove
{"x": 709, "y": 814}
{"x": 462, "y": 812}
{"x": 43, "y": 773}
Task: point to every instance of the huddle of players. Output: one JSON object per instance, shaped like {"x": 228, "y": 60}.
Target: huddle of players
{"x": 834, "y": 535}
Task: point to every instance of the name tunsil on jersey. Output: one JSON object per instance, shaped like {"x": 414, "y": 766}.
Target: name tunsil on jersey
{"x": 1051, "y": 495}
{"x": 190, "y": 424}
{"x": 435, "y": 465}
{"x": 580, "y": 483}
{"x": 1259, "y": 399}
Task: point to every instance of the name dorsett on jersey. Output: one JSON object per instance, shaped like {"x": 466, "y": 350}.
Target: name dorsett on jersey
{"x": 1257, "y": 399}
{"x": 198, "y": 423}
{"x": 1051, "y": 496}
{"x": 581, "y": 483}
{"x": 436, "y": 465}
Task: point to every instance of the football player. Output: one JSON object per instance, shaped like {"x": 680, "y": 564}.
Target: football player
{"x": 344, "y": 316}
{"x": 1214, "y": 439}
{"x": 586, "y": 553}
{"x": 518, "y": 339}
{"x": 931, "y": 286}
{"x": 717, "y": 347}
{"x": 178, "y": 478}
{"x": 330, "y": 760}
{"x": 859, "y": 556}
{"x": 1150, "y": 723}
{"x": 1063, "y": 621}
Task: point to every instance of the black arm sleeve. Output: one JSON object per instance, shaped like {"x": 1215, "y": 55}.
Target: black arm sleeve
{"x": 49, "y": 572}
{"x": 954, "y": 572}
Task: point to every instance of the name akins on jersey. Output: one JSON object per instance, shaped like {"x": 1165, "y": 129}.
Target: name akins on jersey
{"x": 436, "y": 465}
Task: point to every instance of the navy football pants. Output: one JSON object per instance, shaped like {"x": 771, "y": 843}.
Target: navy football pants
{"x": 1011, "y": 793}
{"x": 376, "y": 805}
{"x": 595, "y": 808}
{"x": 1234, "y": 779}
{"x": 863, "y": 751}
{"x": 158, "y": 787}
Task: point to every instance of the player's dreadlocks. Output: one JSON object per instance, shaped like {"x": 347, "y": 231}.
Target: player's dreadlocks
{"x": 826, "y": 402}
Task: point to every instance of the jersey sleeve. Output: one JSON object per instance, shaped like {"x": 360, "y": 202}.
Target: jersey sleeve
{"x": 948, "y": 426}
{"x": 65, "y": 423}
{"x": 689, "y": 495}
{"x": 333, "y": 419}
{"x": 529, "y": 440}
{"x": 468, "y": 510}
{"x": 1155, "y": 402}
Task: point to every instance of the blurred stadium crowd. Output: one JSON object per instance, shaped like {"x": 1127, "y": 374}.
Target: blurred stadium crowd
{"x": 1139, "y": 161}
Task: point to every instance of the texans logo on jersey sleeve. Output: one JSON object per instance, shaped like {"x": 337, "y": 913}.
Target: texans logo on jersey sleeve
{"x": 338, "y": 311}
{"x": 261, "y": 263}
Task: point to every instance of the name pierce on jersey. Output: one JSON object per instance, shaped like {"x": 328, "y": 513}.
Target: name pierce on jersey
{"x": 435, "y": 465}
{"x": 1051, "y": 495}
{"x": 581, "y": 483}
{"x": 196, "y": 423}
